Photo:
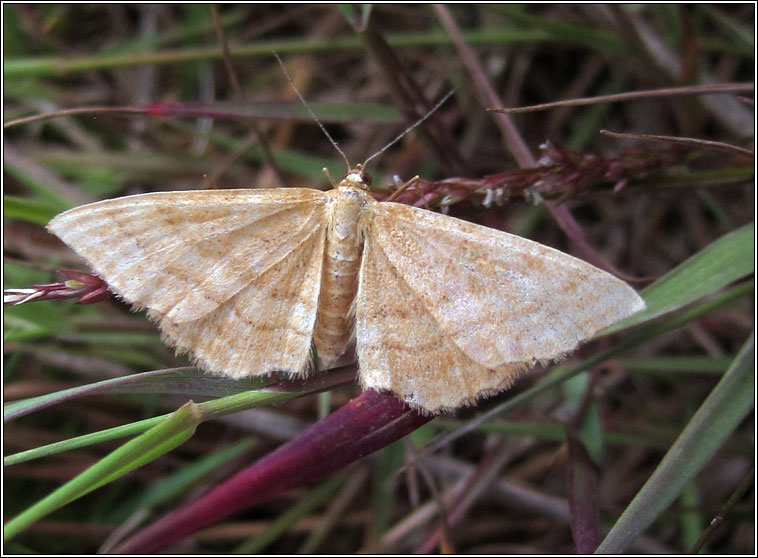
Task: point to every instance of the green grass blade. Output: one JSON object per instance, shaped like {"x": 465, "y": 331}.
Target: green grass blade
{"x": 718, "y": 264}
{"x": 176, "y": 484}
{"x": 85, "y": 440}
{"x": 741, "y": 36}
{"x": 15, "y": 68}
{"x": 28, "y": 209}
{"x": 568, "y": 33}
{"x": 211, "y": 409}
{"x": 164, "y": 437}
{"x": 711, "y": 425}
{"x": 684, "y": 364}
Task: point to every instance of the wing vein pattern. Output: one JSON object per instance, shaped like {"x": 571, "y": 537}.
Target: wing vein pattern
{"x": 493, "y": 304}
{"x": 231, "y": 276}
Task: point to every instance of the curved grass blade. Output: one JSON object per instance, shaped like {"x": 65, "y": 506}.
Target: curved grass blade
{"x": 711, "y": 425}
{"x": 17, "y": 68}
{"x": 170, "y": 433}
{"x": 211, "y": 409}
{"x": 727, "y": 259}
{"x": 177, "y": 381}
{"x": 142, "y": 383}
{"x": 178, "y": 483}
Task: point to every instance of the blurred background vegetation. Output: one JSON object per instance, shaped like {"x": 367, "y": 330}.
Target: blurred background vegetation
{"x": 179, "y": 119}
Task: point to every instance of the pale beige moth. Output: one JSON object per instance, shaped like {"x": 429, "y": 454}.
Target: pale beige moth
{"x": 438, "y": 310}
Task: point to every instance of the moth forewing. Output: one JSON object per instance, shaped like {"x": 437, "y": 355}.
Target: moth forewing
{"x": 449, "y": 311}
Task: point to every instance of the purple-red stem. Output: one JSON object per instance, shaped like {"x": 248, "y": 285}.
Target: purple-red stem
{"x": 364, "y": 425}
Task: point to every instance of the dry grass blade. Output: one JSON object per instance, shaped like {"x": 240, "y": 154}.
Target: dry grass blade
{"x": 632, "y": 95}
{"x": 689, "y": 142}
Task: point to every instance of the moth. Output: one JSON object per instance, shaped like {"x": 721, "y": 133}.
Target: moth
{"x": 438, "y": 310}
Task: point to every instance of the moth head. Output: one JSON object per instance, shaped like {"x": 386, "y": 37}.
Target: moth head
{"x": 356, "y": 177}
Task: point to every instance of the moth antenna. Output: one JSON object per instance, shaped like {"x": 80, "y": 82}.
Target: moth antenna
{"x": 302, "y": 100}
{"x": 411, "y": 127}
